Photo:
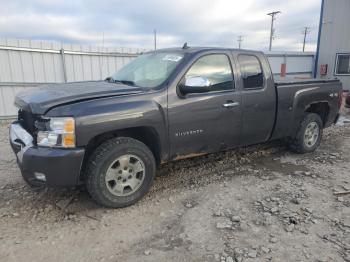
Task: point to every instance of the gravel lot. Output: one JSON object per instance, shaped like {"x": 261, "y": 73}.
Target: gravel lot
{"x": 258, "y": 204}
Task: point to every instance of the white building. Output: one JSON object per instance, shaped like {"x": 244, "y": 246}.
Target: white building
{"x": 333, "y": 52}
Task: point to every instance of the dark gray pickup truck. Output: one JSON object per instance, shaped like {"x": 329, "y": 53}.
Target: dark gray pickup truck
{"x": 165, "y": 105}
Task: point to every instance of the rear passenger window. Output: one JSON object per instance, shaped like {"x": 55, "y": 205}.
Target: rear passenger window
{"x": 251, "y": 71}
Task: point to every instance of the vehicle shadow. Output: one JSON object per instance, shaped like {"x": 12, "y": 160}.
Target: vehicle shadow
{"x": 175, "y": 175}
{"x": 60, "y": 204}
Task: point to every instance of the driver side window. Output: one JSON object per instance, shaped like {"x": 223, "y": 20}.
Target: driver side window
{"x": 213, "y": 70}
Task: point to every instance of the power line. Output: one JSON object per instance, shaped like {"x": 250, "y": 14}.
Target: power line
{"x": 305, "y": 32}
{"x": 272, "y": 32}
{"x": 240, "y": 40}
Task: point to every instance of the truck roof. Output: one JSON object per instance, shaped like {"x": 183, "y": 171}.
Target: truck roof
{"x": 198, "y": 49}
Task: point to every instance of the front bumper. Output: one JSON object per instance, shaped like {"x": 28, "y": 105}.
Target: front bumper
{"x": 336, "y": 118}
{"x": 48, "y": 166}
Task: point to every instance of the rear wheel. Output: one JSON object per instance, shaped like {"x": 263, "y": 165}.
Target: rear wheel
{"x": 120, "y": 172}
{"x": 309, "y": 134}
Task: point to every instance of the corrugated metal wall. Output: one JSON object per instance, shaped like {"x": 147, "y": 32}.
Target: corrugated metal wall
{"x": 25, "y": 64}
{"x": 298, "y": 64}
{"x": 335, "y": 37}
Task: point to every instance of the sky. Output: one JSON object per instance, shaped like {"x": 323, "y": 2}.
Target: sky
{"x": 131, "y": 23}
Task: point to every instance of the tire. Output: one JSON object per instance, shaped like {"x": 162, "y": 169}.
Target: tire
{"x": 105, "y": 187}
{"x": 300, "y": 143}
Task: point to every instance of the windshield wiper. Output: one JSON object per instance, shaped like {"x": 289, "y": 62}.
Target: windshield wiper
{"x": 109, "y": 79}
{"x": 125, "y": 82}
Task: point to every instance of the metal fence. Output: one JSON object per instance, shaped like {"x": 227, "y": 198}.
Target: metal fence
{"x": 25, "y": 64}
{"x": 297, "y": 64}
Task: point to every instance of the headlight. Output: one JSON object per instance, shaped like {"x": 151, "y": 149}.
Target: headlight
{"x": 60, "y": 133}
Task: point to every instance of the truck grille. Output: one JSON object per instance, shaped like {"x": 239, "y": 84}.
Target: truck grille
{"x": 27, "y": 121}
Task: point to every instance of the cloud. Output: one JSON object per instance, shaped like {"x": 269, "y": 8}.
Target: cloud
{"x": 131, "y": 23}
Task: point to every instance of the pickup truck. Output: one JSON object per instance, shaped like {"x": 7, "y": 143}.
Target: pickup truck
{"x": 164, "y": 105}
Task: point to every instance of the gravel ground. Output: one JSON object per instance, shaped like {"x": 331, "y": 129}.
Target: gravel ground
{"x": 258, "y": 204}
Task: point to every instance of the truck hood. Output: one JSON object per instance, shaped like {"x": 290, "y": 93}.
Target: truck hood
{"x": 40, "y": 100}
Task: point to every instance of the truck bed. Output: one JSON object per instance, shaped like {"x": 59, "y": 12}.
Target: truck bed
{"x": 295, "y": 95}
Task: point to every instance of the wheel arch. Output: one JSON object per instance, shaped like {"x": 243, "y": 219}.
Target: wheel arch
{"x": 320, "y": 108}
{"x": 145, "y": 134}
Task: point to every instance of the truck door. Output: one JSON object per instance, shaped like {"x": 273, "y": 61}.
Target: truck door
{"x": 258, "y": 98}
{"x": 204, "y": 110}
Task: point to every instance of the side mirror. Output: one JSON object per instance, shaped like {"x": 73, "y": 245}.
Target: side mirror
{"x": 195, "y": 84}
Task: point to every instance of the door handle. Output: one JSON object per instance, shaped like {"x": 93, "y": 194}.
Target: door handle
{"x": 230, "y": 104}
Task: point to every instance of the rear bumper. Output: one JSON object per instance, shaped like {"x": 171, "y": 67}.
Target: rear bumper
{"x": 48, "y": 166}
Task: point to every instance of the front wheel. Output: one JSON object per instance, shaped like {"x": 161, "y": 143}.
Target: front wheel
{"x": 120, "y": 172}
{"x": 309, "y": 134}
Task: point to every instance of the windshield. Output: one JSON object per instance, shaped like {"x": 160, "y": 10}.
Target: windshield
{"x": 148, "y": 70}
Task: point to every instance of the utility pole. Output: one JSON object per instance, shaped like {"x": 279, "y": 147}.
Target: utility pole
{"x": 272, "y": 32}
{"x": 305, "y": 32}
{"x": 240, "y": 40}
{"x": 155, "y": 39}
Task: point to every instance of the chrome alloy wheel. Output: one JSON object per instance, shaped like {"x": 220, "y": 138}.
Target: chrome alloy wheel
{"x": 125, "y": 175}
{"x": 311, "y": 134}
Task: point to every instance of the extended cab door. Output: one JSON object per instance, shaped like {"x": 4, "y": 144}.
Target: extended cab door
{"x": 258, "y": 97}
{"x": 208, "y": 118}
